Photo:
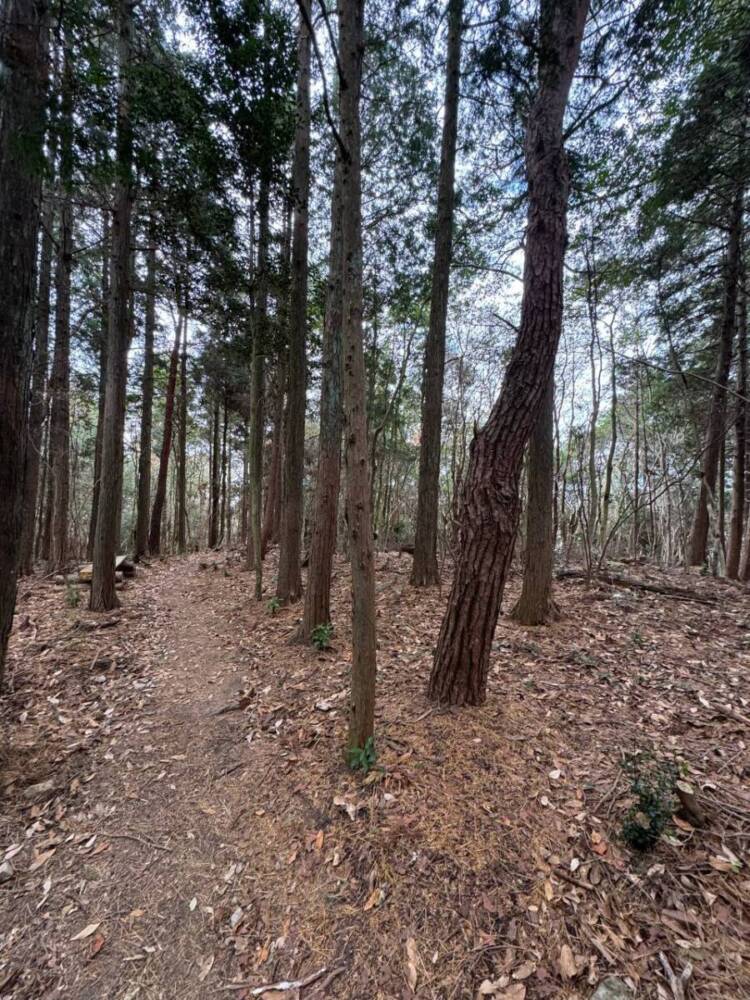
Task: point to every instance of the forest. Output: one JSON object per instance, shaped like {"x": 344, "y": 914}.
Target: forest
{"x": 374, "y": 499}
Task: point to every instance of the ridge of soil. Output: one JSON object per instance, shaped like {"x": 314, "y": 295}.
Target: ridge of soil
{"x": 196, "y": 833}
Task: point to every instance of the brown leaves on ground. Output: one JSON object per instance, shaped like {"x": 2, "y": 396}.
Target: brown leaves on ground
{"x": 187, "y": 847}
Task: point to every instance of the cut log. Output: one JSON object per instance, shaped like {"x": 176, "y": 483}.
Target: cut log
{"x": 124, "y": 566}
{"x": 617, "y": 580}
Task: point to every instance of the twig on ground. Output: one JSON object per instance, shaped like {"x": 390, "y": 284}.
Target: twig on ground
{"x": 139, "y": 840}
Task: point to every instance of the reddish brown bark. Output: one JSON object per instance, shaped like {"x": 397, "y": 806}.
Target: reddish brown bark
{"x": 147, "y": 402}
{"x": 490, "y": 504}
{"x": 160, "y": 496}
{"x": 272, "y": 503}
{"x": 425, "y": 571}
{"x": 22, "y": 56}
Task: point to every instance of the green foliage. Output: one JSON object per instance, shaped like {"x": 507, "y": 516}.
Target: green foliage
{"x": 652, "y": 782}
{"x": 72, "y": 594}
{"x": 274, "y": 605}
{"x": 363, "y": 758}
{"x": 321, "y": 636}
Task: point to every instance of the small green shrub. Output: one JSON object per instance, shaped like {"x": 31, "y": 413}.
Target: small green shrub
{"x": 652, "y": 782}
{"x": 363, "y": 758}
{"x": 274, "y": 605}
{"x": 321, "y": 636}
{"x": 72, "y": 594}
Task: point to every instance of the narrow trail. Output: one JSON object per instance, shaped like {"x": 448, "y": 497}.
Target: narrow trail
{"x": 170, "y": 800}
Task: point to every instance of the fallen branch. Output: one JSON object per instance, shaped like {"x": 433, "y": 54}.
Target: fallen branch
{"x": 281, "y": 987}
{"x": 617, "y": 580}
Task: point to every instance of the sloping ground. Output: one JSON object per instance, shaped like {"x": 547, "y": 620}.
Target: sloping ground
{"x": 196, "y": 833}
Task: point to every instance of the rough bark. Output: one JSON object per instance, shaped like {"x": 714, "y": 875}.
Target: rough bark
{"x": 147, "y": 403}
{"x": 535, "y": 605}
{"x": 490, "y": 505}
{"x": 103, "y": 338}
{"x": 59, "y": 441}
{"x": 22, "y": 98}
{"x": 715, "y": 425}
{"x": 425, "y": 567}
{"x": 734, "y": 549}
{"x": 607, "y": 492}
{"x": 38, "y": 404}
{"x": 160, "y": 495}
{"x": 272, "y": 502}
{"x": 323, "y": 543}
{"x": 358, "y": 503}
{"x": 257, "y": 380}
{"x": 103, "y": 593}
{"x": 182, "y": 440}
{"x": 289, "y": 581}
{"x": 213, "y": 517}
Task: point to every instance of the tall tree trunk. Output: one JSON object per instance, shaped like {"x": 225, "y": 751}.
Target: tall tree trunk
{"x": 103, "y": 338}
{"x": 22, "y": 99}
{"x": 213, "y": 521}
{"x": 59, "y": 443}
{"x": 38, "y": 406}
{"x": 160, "y": 496}
{"x": 740, "y": 440}
{"x": 182, "y": 439}
{"x": 425, "y": 571}
{"x": 272, "y": 502}
{"x": 224, "y": 429}
{"x": 257, "y": 378}
{"x": 490, "y": 505}
{"x": 358, "y": 503}
{"x": 289, "y": 581}
{"x": 715, "y": 425}
{"x": 607, "y": 493}
{"x": 536, "y": 606}
{"x": 323, "y": 544}
{"x": 103, "y": 593}
{"x": 147, "y": 402}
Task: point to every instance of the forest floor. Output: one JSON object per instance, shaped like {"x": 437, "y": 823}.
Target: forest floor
{"x": 176, "y": 820}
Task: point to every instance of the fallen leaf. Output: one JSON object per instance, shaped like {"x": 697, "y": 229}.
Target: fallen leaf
{"x": 97, "y": 944}
{"x": 86, "y": 932}
{"x": 412, "y": 957}
{"x": 375, "y": 898}
{"x": 206, "y": 965}
{"x": 567, "y": 963}
{"x": 525, "y": 970}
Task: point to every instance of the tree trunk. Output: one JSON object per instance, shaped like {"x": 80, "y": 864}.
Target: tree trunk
{"x": 536, "y": 606}
{"x": 358, "y": 512}
{"x": 59, "y": 442}
{"x": 425, "y": 571}
{"x": 147, "y": 402}
{"x": 272, "y": 503}
{"x": 103, "y": 593}
{"x": 607, "y": 493}
{"x": 38, "y": 405}
{"x": 182, "y": 440}
{"x": 22, "y": 100}
{"x": 490, "y": 506}
{"x": 103, "y": 338}
{"x": 224, "y": 429}
{"x": 740, "y": 439}
{"x": 160, "y": 496}
{"x": 715, "y": 427}
{"x": 289, "y": 582}
{"x": 213, "y": 518}
{"x": 323, "y": 544}
{"x": 257, "y": 376}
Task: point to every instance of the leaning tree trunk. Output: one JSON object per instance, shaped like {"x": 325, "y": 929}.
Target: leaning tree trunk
{"x": 715, "y": 427}
{"x": 740, "y": 438}
{"x": 535, "y": 605}
{"x": 289, "y": 582}
{"x": 103, "y": 593}
{"x": 147, "y": 403}
{"x": 22, "y": 99}
{"x": 425, "y": 566}
{"x": 323, "y": 543}
{"x": 160, "y": 496}
{"x": 358, "y": 502}
{"x": 490, "y": 505}
{"x": 38, "y": 405}
{"x": 257, "y": 377}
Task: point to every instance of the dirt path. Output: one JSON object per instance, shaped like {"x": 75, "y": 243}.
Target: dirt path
{"x": 177, "y": 822}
